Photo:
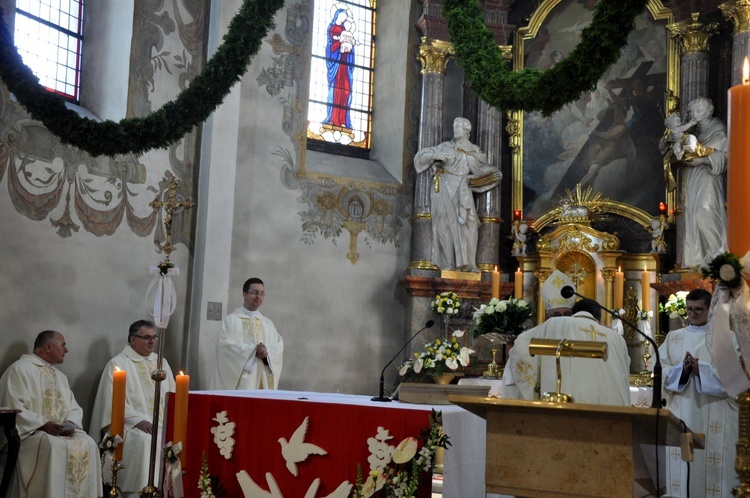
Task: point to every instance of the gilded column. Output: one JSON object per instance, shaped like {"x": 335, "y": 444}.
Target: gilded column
{"x": 541, "y": 276}
{"x": 608, "y": 273}
{"x": 693, "y": 38}
{"x": 490, "y": 140}
{"x": 434, "y": 55}
{"x": 738, "y": 11}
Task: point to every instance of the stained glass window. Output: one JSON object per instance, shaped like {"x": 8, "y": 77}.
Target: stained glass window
{"x": 48, "y": 36}
{"x": 341, "y": 72}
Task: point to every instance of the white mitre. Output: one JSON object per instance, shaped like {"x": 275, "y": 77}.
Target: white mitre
{"x": 551, "y": 291}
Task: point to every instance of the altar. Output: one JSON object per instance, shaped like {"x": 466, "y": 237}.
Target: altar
{"x": 241, "y": 432}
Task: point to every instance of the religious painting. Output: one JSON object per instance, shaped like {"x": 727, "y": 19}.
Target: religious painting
{"x": 607, "y": 139}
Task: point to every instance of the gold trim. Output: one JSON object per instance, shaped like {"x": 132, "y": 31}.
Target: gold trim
{"x": 487, "y": 268}
{"x": 693, "y": 37}
{"x": 461, "y": 275}
{"x": 491, "y": 219}
{"x": 422, "y": 265}
{"x": 422, "y": 216}
{"x": 434, "y": 55}
{"x": 483, "y": 181}
{"x": 739, "y": 13}
{"x": 515, "y": 127}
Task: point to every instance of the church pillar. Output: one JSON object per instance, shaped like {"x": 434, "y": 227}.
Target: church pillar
{"x": 692, "y": 40}
{"x": 489, "y": 139}
{"x": 433, "y": 54}
{"x": 738, "y": 11}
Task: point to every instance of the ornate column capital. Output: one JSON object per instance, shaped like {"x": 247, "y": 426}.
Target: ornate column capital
{"x": 737, "y": 11}
{"x": 608, "y": 273}
{"x": 434, "y": 55}
{"x": 693, "y": 36}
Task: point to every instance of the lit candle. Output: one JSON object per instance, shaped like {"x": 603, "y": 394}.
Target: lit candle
{"x": 738, "y": 167}
{"x": 662, "y": 209}
{"x": 117, "y": 422}
{"x": 517, "y": 215}
{"x": 519, "y": 284}
{"x": 619, "y": 287}
{"x": 181, "y": 414}
{"x": 496, "y": 284}
{"x": 646, "y": 290}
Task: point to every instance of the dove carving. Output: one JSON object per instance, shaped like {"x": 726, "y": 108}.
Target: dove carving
{"x": 296, "y": 450}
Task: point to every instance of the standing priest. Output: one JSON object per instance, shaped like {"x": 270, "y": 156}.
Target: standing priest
{"x": 138, "y": 360}
{"x": 249, "y": 351}
{"x": 57, "y": 459}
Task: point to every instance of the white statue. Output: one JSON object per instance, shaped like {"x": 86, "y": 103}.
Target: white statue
{"x": 658, "y": 225}
{"x": 703, "y": 156}
{"x": 519, "y": 234}
{"x": 455, "y": 224}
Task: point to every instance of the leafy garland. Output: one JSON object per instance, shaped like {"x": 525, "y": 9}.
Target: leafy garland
{"x": 531, "y": 89}
{"x": 162, "y": 127}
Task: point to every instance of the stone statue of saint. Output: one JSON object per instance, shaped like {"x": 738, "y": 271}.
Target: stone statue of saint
{"x": 455, "y": 224}
{"x": 702, "y": 152}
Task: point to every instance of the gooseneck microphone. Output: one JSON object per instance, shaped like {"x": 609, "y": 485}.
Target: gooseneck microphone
{"x": 656, "y": 401}
{"x": 380, "y": 397}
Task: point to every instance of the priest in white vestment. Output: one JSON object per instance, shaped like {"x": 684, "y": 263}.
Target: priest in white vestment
{"x": 138, "y": 360}
{"x": 57, "y": 459}
{"x": 249, "y": 351}
{"x": 554, "y": 304}
{"x": 594, "y": 381}
{"x": 696, "y": 395}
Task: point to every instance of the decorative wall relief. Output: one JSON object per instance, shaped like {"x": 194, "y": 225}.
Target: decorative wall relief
{"x": 335, "y": 203}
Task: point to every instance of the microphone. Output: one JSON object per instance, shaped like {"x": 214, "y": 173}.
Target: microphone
{"x": 427, "y": 325}
{"x": 656, "y": 402}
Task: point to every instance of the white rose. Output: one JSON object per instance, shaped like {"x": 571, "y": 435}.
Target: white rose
{"x": 501, "y": 307}
{"x": 488, "y": 310}
{"x": 441, "y": 309}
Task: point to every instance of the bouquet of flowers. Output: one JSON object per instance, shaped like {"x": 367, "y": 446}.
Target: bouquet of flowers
{"x": 398, "y": 471}
{"x": 725, "y": 269}
{"x": 438, "y": 357}
{"x": 446, "y": 303}
{"x": 675, "y": 305}
{"x": 509, "y": 317}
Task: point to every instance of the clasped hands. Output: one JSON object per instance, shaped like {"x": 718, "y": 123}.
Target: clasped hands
{"x": 261, "y": 351}
{"x": 67, "y": 428}
{"x": 689, "y": 366}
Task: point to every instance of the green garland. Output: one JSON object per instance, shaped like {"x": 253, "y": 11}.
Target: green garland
{"x": 531, "y": 89}
{"x": 162, "y": 127}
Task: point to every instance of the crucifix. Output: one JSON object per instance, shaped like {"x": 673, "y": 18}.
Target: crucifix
{"x": 170, "y": 205}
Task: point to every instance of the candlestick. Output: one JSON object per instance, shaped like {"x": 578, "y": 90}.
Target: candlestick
{"x": 117, "y": 423}
{"x": 181, "y": 414}
{"x": 518, "y": 284}
{"x": 496, "y": 284}
{"x": 738, "y": 164}
{"x": 645, "y": 290}
{"x": 619, "y": 288}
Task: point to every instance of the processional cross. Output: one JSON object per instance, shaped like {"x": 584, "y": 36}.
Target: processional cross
{"x": 170, "y": 205}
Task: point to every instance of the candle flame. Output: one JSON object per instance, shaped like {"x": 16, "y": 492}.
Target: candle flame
{"x": 495, "y": 267}
{"x": 117, "y": 369}
{"x": 619, "y": 269}
{"x": 746, "y": 72}
{"x": 181, "y": 373}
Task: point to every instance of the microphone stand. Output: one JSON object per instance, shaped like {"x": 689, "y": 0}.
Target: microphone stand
{"x": 381, "y": 396}
{"x": 656, "y": 401}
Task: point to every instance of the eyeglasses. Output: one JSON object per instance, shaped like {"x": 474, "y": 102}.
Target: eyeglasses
{"x": 697, "y": 311}
{"x": 257, "y": 294}
{"x": 149, "y": 338}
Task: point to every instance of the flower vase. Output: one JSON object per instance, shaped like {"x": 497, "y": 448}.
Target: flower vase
{"x": 446, "y": 327}
{"x": 444, "y": 378}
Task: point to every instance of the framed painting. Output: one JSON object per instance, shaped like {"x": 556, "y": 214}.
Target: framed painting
{"x": 608, "y": 139}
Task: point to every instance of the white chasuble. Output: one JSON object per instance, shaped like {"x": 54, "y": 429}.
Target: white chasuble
{"x": 236, "y": 365}
{"x": 595, "y": 381}
{"x": 48, "y": 466}
{"x": 139, "y": 406}
{"x": 706, "y": 408}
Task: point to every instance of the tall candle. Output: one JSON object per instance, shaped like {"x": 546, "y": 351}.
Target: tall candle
{"x": 619, "y": 288}
{"x": 496, "y": 284}
{"x": 117, "y": 422}
{"x": 646, "y": 290}
{"x": 518, "y": 284}
{"x": 181, "y": 414}
{"x": 738, "y": 168}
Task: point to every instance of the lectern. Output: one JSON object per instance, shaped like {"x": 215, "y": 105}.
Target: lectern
{"x": 539, "y": 449}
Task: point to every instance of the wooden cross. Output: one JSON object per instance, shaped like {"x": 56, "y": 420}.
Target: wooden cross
{"x": 170, "y": 205}
{"x": 591, "y": 330}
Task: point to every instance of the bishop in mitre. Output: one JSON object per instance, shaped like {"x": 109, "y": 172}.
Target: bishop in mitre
{"x": 554, "y": 303}
{"x": 57, "y": 459}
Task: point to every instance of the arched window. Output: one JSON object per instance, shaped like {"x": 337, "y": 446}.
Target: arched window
{"x": 341, "y": 77}
{"x": 48, "y": 36}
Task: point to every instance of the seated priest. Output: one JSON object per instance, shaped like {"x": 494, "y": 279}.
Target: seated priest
{"x": 554, "y": 304}
{"x": 138, "y": 360}
{"x": 57, "y": 459}
{"x": 587, "y": 380}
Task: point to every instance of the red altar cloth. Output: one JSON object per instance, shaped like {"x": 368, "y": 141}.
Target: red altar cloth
{"x": 339, "y": 424}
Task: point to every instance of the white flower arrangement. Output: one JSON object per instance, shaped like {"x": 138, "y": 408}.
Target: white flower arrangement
{"x": 645, "y": 315}
{"x": 675, "y": 305}
{"x": 447, "y": 303}
{"x": 511, "y": 316}
{"x": 436, "y": 357}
